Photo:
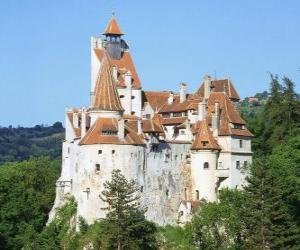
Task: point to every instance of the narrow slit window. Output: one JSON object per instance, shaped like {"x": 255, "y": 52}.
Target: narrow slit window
{"x": 97, "y": 167}
{"x": 197, "y": 195}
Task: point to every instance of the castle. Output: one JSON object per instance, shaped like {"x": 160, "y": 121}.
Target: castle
{"x": 180, "y": 148}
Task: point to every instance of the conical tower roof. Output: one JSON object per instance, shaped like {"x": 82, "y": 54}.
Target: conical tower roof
{"x": 113, "y": 28}
{"x": 106, "y": 96}
{"x": 204, "y": 138}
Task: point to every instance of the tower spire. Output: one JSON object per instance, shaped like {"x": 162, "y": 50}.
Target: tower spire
{"x": 113, "y": 29}
{"x": 106, "y": 96}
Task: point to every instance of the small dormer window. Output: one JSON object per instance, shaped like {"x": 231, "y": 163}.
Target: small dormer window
{"x": 182, "y": 132}
{"x": 122, "y": 96}
{"x": 204, "y": 143}
{"x": 109, "y": 132}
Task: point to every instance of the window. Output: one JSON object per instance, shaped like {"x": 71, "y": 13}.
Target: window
{"x": 132, "y": 97}
{"x": 182, "y": 132}
{"x": 148, "y": 116}
{"x": 167, "y": 193}
{"x": 237, "y": 126}
{"x": 197, "y": 195}
{"x": 185, "y": 193}
{"x": 113, "y": 152}
{"x": 206, "y": 165}
{"x": 245, "y": 164}
{"x": 121, "y": 96}
{"x": 107, "y": 132}
{"x": 97, "y": 167}
{"x": 142, "y": 189}
{"x": 176, "y": 156}
{"x": 132, "y": 112}
{"x": 238, "y": 165}
{"x": 167, "y": 157}
{"x": 204, "y": 143}
{"x": 154, "y": 148}
{"x": 177, "y": 114}
{"x": 180, "y": 213}
{"x": 99, "y": 152}
{"x": 241, "y": 143}
{"x": 220, "y": 165}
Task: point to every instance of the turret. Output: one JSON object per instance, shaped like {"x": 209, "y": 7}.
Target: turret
{"x": 113, "y": 42}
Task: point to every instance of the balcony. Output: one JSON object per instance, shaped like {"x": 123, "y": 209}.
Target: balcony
{"x": 222, "y": 173}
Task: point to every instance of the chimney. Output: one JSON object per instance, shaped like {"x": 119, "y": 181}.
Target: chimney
{"x": 202, "y": 110}
{"x": 121, "y": 129}
{"x": 128, "y": 79}
{"x": 171, "y": 98}
{"x": 182, "y": 95}
{"x": 207, "y": 86}
{"x": 75, "y": 119}
{"x": 115, "y": 73}
{"x": 216, "y": 119}
{"x": 139, "y": 126}
{"x": 83, "y": 122}
{"x": 128, "y": 102}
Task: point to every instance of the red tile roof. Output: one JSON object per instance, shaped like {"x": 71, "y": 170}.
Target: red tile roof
{"x": 224, "y": 86}
{"x": 228, "y": 115}
{"x": 113, "y": 28}
{"x": 95, "y": 134}
{"x": 123, "y": 65}
{"x": 190, "y": 104}
{"x": 204, "y": 139}
{"x": 173, "y": 120}
{"x": 106, "y": 95}
{"x": 156, "y": 99}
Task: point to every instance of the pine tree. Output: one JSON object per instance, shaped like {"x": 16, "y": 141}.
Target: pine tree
{"x": 125, "y": 221}
{"x": 291, "y": 107}
{"x": 268, "y": 222}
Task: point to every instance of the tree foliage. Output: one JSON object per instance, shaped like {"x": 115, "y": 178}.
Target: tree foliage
{"x": 18, "y": 144}
{"x": 125, "y": 220}
{"x": 27, "y": 191}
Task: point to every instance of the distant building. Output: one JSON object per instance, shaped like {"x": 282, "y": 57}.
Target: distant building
{"x": 179, "y": 148}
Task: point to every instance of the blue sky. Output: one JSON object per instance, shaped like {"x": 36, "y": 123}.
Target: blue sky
{"x": 45, "y": 48}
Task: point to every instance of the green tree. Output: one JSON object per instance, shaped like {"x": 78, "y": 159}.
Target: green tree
{"x": 218, "y": 225}
{"x": 27, "y": 191}
{"x": 125, "y": 222}
{"x": 268, "y": 221}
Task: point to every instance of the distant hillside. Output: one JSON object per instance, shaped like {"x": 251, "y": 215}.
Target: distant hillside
{"x": 17, "y": 144}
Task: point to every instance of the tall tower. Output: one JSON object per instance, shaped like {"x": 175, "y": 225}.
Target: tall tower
{"x": 113, "y": 43}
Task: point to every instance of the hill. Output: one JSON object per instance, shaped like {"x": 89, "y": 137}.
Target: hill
{"x": 18, "y": 144}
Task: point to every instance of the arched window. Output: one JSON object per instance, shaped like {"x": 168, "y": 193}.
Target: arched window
{"x": 206, "y": 165}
